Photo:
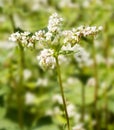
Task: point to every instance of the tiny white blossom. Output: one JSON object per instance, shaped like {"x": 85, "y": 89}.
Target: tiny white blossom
{"x": 57, "y": 98}
{"x": 27, "y": 74}
{"x": 46, "y": 59}
{"x": 39, "y": 36}
{"x": 29, "y": 98}
{"x": 30, "y": 45}
{"x": 15, "y": 36}
{"x": 54, "y": 23}
{"x": 42, "y": 82}
{"x": 48, "y": 36}
{"x": 81, "y": 56}
{"x": 78, "y": 127}
{"x": 71, "y": 110}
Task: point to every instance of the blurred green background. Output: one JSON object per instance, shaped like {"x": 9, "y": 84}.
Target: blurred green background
{"x": 37, "y": 105}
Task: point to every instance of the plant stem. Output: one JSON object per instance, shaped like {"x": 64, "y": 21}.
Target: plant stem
{"x": 20, "y": 87}
{"x": 96, "y": 86}
{"x": 62, "y": 92}
{"x": 20, "y": 83}
{"x": 106, "y": 53}
{"x": 83, "y": 103}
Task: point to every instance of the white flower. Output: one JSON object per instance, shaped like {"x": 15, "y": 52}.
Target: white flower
{"x": 70, "y": 37}
{"x": 39, "y": 36}
{"x": 71, "y": 110}
{"x": 15, "y": 36}
{"x": 63, "y": 59}
{"x": 48, "y": 36}
{"x": 77, "y": 117}
{"x": 73, "y": 36}
{"x": 27, "y": 74}
{"x": 23, "y": 38}
{"x": 54, "y": 23}
{"x": 57, "y": 98}
{"x": 46, "y": 59}
{"x": 81, "y": 56}
{"x": 42, "y": 82}
{"x": 91, "y": 82}
{"x": 30, "y": 45}
{"x": 29, "y": 98}
{"x": 78, "y": 127}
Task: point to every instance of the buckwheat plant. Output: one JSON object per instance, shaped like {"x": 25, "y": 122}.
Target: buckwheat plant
{"x": 55, "y": 42}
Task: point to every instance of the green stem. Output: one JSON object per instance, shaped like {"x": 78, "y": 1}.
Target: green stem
{"x": 20, "y": 83}
{"x": 20, "y": 87}
{"x": 83, "y": 103}
{"x": 106, "y": 53}
{"x": 62, "y": 92}
{"x": 96, "y": 86}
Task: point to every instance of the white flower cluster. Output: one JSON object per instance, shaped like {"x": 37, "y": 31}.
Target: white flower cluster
{"x": 46, "y": 59}
{"x": 73, "y": 36}
{"x": 55, "y": 22}
{"x": 54, "y": 37}
{"x": 23, "y": 38}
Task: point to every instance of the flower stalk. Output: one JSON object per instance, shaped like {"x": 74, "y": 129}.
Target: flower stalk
{"x": 19, "y": 87}
{"x": 62, "y": 92}
{"x": 96, "y": 86}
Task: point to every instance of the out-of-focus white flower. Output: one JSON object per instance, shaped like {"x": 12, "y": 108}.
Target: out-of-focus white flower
{"x": 71, "y": 110}
{"x": 68, "y": 47}
{"x": 54, "y": 23}
{"x": 100, "y": 59}
{"x": 91, "y": 82}
{"x": 38, "y": 4}
{"x": 77, "y": 117}
{"x": 57, "y": 98}
{"x": 46, "y": 59}
{"x": 63, "y": 59}
{"x": 68, "y": 4}
{"x": 30, "y": 45}
{"x": 104, "y": 85}
{"x": 29, "y": 98}
{"x": 86, "y": 3}
{"x": 42, "y": 82}
{"x": 78, "y": 127}
{"x": 27, "y": 74}
{"x": 55, "y": 111}
{"x": 86, "y": 117}
{"x": 81, "y": 56}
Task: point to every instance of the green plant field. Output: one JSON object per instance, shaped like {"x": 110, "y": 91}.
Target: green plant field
{"x": 57, "y": 65}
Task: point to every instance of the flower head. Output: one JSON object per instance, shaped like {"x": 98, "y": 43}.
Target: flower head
{"x": 54, "y": 23}
{"x": 46, "y": 59}
{"x": 22, "y": 37}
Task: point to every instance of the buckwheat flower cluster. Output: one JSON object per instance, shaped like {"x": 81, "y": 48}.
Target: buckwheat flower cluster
{"x": 74, "y": 36}
{"x": 70, "y": 37}
{"x": 55, "y": 22}
{"x": 46, "y": 59}
{"x": 86, "y": 31}
{"x": 54, "y": 29}
{"x": 22, "y": 37}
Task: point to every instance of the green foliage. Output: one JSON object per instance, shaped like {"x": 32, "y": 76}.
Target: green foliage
{"x": 40, "y": 110}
